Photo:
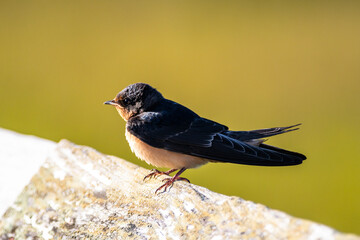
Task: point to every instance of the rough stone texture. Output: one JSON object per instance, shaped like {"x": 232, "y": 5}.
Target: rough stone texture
{"x": 80, "y": 193}
{"x": 21, "y": 156}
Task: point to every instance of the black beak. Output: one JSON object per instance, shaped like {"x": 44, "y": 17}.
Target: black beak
{"x": 111, "y": 102}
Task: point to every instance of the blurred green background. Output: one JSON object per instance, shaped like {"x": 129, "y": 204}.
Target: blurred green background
{"x": 246, "y": 64}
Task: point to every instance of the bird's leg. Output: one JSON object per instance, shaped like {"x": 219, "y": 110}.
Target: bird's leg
{"x": 170, "y": 181}
{"x": 156, "y": 172}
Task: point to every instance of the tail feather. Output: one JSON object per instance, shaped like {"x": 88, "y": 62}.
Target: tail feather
{"x": 276, "y": 129}
{"x": 247, "y": 147}
{"x": 286, "y": 152}
{"x": 260, "y": 133}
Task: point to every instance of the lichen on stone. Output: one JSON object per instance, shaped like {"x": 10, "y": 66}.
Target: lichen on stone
{"x": 80, "y": 193}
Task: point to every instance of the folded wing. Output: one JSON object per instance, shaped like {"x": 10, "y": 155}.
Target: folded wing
{"x": 207, "y": 139}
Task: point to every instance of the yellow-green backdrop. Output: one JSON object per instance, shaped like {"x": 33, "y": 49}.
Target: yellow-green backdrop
{"x": 246, "y": 64}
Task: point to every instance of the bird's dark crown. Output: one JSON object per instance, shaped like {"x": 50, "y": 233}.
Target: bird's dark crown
{"x": 137, "y": 98}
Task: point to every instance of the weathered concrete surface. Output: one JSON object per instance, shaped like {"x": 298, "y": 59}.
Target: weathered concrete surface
{"x": 20, "y": 158}
{"x": 80, "y": 193}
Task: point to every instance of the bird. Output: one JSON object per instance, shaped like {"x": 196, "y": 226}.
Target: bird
{"x": 166, "y": 134}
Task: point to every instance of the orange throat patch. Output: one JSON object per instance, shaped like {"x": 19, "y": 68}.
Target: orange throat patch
{"x": 123, "y": 113}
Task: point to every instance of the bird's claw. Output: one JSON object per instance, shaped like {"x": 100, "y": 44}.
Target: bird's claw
{"x": 169, "y": 182}
{"x": 155, "y": 173}
{"x": 177, "y": 179}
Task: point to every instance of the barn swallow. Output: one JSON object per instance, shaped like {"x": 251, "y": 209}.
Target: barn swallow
{"x": 164, "y": 133}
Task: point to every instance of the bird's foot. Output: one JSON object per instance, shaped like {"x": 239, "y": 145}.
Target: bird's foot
{"x": 170, "y": 181}
{"x": 156, "y": 173}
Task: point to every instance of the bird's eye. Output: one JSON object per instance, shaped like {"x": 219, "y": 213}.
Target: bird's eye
{"x": 124, "y": 101}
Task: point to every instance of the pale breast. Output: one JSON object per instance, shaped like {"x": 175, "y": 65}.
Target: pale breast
{"x": 160, "y": 157}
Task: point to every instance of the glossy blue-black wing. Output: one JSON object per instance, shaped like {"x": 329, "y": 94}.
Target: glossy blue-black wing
{"x": 226, "y": 149}
{"x": 203, "y": 138}
{"x": 161, "y": 130}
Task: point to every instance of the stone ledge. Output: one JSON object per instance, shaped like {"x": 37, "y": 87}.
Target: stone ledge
{"x": 80, "y": 193}
{"x": 20, "y": 158}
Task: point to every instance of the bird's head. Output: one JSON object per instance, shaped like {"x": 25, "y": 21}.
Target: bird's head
{"x": 135, "y": 99}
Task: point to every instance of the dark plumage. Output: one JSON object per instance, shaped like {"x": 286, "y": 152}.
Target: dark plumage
{"x": 167, "y": 125}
